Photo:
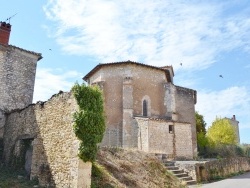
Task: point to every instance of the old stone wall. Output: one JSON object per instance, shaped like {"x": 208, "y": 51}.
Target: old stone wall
{"x": 166, "y": 137}
{"x": 221, "y": 168}
{"x": 2, "y": 122}
{"x": 183, "y": 140}
{"x": 214, "y": 168}
{"x": 124, "y": 88}
{"x": 17, "y": 77}
{"x": 160, "y": 139}
{"x": 49, "y": 127}
{"x": 185, "y": 99}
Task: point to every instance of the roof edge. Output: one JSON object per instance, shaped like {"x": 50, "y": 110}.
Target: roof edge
{"x": 97, "y": 67}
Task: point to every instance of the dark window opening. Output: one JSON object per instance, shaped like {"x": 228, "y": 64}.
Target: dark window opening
{"x": 145, "y": 108}
{"x": 170, "y": 127}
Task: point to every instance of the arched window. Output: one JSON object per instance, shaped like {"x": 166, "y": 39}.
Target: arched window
{"x": 145, "y": 108}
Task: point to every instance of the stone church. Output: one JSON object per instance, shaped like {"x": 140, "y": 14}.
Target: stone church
{"x": 144, "y": 111}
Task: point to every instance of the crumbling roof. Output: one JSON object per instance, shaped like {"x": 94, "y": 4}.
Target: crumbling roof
{"x": 39, "y": 55}
{"x": 99, "y": 66}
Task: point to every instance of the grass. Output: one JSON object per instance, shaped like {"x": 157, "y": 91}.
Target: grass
{"x": 9, "y": 179}
{"x": 119, "y": 168}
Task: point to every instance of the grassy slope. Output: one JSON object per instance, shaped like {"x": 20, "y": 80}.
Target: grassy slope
{"x": 127, "y": 168}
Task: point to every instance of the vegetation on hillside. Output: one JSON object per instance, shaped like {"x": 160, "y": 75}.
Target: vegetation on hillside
{"x": 119, "y": 168}
{"x": 89, "y": 121}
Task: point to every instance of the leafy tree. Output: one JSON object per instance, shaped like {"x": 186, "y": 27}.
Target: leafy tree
{"x": 89, "y": 121}
{"x": 202, "y": 140}
{"x": 200, "y": 123}
{"x": 221, "y": 132}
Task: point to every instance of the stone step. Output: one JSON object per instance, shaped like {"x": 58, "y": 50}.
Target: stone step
{"x": 172, "y": 168}
{"x": 181, "y": 175}
{"x": 186, "y": 178}
{"x": 191, "y": 182}
{"x": 175, "y": 172}
{"x": 169, "y": 163}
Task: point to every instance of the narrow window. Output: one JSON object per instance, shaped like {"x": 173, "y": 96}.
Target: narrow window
{"x": 170, "y": 127}
{"x": 145, "y": 108}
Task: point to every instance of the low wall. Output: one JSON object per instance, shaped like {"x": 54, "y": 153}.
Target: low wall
{"x": 188, "y": 167}
{"x": 45, "y": 132}
{"x": 212, "y": 169}
{"x": 221, "y": 168}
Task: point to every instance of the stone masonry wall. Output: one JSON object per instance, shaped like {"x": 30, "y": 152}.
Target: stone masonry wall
{"x": 55, "y": 146}
{"x": 160, "y": 139}
{"x": 2, "y": 122}
{"x": 185, "y": 100}
{"x": 183, "y": 140}
{"x": 17, "y": 77}
{"x": 221, "y": 168}
{"x": 212, "y": 169}
{"x": 145, "y": 83}
{"x": 125, "y": 87}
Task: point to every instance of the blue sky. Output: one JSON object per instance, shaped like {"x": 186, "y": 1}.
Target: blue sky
{"x": 209, "y": 37}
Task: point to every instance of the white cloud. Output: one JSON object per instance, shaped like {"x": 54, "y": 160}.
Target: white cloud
{"x": 225, "y": 103}
{"x": 150, "y": 31}
{"x": 49, "y": 82}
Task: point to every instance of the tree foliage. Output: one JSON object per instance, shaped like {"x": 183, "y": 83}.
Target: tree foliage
{"x": 200, "y": 123}
{"x": 202, "y": 140}
{"x": 221, "y": 132}
{"x": 89, "y": 120}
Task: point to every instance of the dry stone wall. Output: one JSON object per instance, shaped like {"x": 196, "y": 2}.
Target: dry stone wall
{"x": 221, "y": 168}
{"x": 50, "y": 127}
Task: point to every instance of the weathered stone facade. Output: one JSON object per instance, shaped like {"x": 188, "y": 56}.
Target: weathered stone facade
{"x": 145, "y": 110}
{"x": 17, "y": 77}
{"x": 49, "y": 128}
{"x": 37, "y": 137}
{"x": 2, "y": 122}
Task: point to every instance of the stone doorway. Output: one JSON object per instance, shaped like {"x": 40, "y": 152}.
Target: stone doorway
{"x": 27, "y": 153}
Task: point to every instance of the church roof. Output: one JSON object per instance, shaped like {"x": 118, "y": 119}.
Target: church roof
{"x": 99, "y": 66}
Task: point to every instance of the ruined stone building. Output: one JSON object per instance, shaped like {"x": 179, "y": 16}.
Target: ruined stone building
{"x": 145, "y": 110}
{"x": 38, "y": 137}
{"x": 17, "y": 74}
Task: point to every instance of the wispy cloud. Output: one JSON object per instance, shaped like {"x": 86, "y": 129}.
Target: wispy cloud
{"x": 150, "y": 31}
{"x": 225, "y": 103}
{"x": 49, "y": 82}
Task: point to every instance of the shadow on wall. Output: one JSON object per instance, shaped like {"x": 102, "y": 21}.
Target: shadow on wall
{"x": 24, "y": 147}
{"x": 40, "y": 138}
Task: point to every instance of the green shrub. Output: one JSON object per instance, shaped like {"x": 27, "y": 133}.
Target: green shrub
{"x": 89, "y": 121}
